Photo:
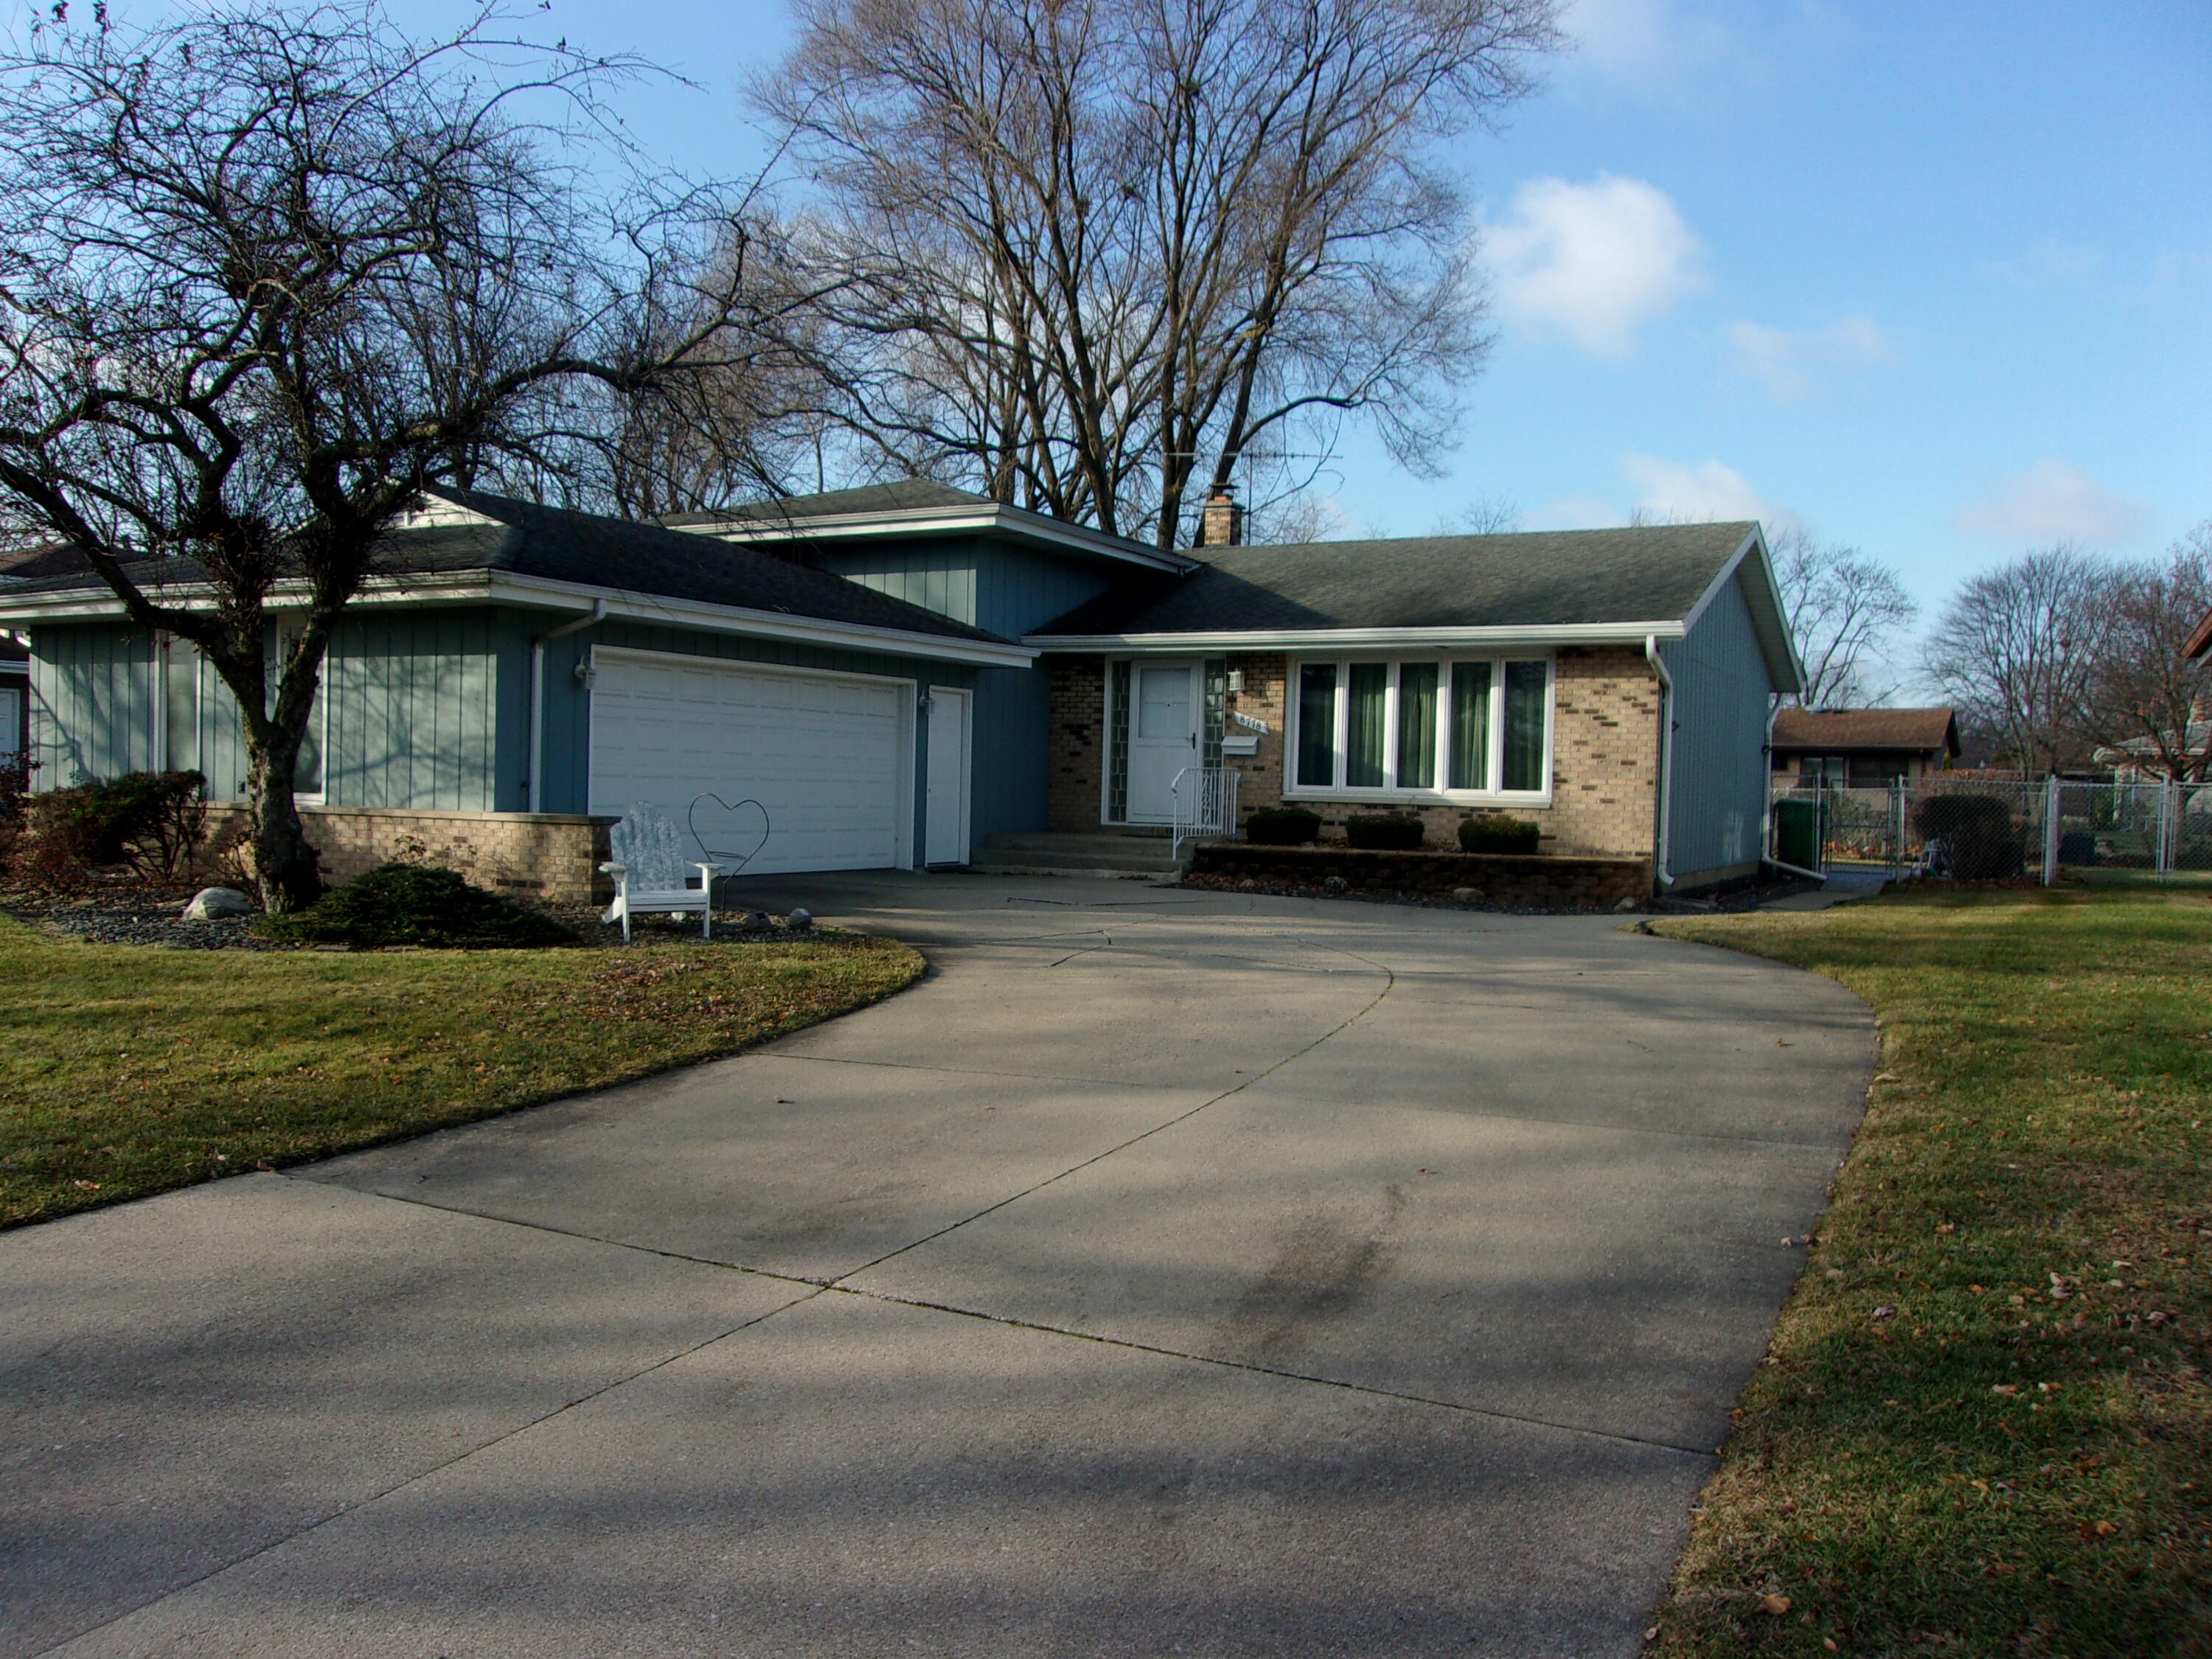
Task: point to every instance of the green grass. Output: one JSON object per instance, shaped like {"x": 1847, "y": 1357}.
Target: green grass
{"x": 126, "y": 1071}
{"x": 1984, "y": 1426}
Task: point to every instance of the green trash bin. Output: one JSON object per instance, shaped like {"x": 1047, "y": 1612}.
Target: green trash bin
{"x": 1797, "y": 833}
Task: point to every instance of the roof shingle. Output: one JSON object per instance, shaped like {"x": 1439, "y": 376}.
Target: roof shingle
{"x": 1839, "y": 731}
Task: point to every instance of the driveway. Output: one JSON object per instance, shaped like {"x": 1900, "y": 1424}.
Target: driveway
{"x": 1167, "y": 1273}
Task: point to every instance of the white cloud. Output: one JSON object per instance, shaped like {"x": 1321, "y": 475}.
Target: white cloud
{"x": 1699, "y": 494}
{"x": 1594, "y": 262}
{"x": 1647, "y": 48}
{"x": 1791, "y": 361}
{"x": 2052, "y": 502}
{"x": 2052, "y": 261}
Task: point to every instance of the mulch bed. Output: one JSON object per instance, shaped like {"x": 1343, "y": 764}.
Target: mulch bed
{"x": 151, "y": 917}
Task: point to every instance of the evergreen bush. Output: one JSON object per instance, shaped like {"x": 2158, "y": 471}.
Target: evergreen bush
{"x": 1499, "y": 834}
{"x": 1391, "y": 832}
{"x": 1972, "y": 837}
{"x": 1282, "y": 826}
{"x": 414, "y": 905}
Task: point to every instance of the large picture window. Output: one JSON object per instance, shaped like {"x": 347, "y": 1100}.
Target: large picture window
{"x": 1429, "y": 727}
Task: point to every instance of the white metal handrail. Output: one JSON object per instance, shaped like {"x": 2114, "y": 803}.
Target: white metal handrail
{"x": 1204, "y": 804}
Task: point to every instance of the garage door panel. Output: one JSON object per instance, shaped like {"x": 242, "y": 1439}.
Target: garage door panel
{"x": 825, "y": 757}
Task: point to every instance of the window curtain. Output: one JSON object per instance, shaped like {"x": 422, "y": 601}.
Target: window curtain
{"x": 1525, "y": 685}
{"x": 1317, "y": 725}
{"x": 1470, "y": 734}
{"x": 1417, "y": 726}
{"x": 1367, "y": 687}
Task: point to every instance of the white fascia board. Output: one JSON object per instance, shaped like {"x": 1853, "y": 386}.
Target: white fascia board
{"x": 538, "y": 592}
{"x": 770, "y": 624}
{"x": 1774, "y": 638}
{"x": 907, "y": 521}
{"x": 1362, "y": 639}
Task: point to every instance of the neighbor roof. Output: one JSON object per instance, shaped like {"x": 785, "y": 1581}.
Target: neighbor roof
{"x": 1646, "y": 578}
{"x": 463, "y": 530}
{"x": 1840, "y": 730}
{"x": 2200, "y": 641}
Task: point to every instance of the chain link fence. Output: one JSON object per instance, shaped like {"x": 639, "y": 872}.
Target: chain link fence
{"x": 1993, "y": 829}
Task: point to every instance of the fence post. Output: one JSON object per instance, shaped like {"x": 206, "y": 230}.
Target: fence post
{"x": 2051, "y": 830}
{"x": 2167, "y": 828}
{"x": 1896, "y": 827}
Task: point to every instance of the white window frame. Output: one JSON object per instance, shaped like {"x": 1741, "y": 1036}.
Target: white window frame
{"x": 1389, "y": 792}
{"x": 286, "y": 632}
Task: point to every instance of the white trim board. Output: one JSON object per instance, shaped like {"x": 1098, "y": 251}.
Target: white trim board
{"x": 1360, "y": 639}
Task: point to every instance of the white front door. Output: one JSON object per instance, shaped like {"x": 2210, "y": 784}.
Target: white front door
{"x": 1163, "y": 736}
{"x": 945, "y": 814}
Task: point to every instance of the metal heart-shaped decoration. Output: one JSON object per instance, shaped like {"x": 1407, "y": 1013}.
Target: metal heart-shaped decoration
{"x": 722, "y": 826}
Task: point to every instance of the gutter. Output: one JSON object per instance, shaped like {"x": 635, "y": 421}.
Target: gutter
{"x": 1662, "y": 865}
{"x": 596, "y": 614}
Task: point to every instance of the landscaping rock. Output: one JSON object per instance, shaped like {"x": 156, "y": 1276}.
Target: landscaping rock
{"x": 799, "y": 921}
{"x": 218, "y": 904}
{"x": 1336, "y": 885}
{"x": 1465, "y": 895}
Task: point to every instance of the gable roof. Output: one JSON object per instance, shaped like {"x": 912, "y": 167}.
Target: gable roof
{"x": 917, "y": 506}
{"x": 1565, "y": 585}
{"x": 1840, "y": 730}
{"x": 523, "y": 553}
{"x": 899, "y": 496}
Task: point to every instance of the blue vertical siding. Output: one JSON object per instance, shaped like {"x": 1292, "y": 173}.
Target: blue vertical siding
{"x": 92, "y": 692}
{"x": 412, "y": 709}
{"x": 1009, "y": 590}
{"x": 1722, "y": 688}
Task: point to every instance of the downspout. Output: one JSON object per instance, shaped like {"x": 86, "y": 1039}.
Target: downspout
{"x": 1663, "y": 862}
{"x": 597, "y": 613}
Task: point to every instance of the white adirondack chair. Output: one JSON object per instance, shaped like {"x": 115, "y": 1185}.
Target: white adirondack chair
{"x": 648, "y": 867}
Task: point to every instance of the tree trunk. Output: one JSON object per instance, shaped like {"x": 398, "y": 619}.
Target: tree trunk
{"x": 286, "y": 869}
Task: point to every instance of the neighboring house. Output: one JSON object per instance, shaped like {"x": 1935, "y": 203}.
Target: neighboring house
{"x": 900, "y": 673}
{"x": 2141, "y": 760}
{"x": 2200, "y": 641}
{"x": 1861, "y": 748}
{"x": 14, "y": 703}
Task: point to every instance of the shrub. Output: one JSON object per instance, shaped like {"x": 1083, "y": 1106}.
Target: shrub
{"x": 1498, "y": 834}
{"x": 1392, "y": 832}
{"x": 1283, "y": 826}
{"x": 150, "y": 821}
{"x": 1971, "y": 837}
{"x": 414, "y": 905}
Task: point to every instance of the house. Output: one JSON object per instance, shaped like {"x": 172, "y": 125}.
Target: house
{"x": 14, "y": 703}
{"x": 900, "y": 673}
{"x": 1861, "y": 748}
{"x": 2199, "y": 641}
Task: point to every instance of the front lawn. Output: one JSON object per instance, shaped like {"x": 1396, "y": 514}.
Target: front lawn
{"x": 1985, "y": 1426}
{"x": 125, "y": 1070}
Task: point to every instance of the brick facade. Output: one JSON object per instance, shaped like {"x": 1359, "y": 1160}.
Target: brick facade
{"x": 549, "y": 855}
{"x": 1605, "y": 746}
{"x": 1074, "y": 785}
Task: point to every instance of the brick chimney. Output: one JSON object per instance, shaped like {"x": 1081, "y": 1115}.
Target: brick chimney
{"x": 1221, "y": 520}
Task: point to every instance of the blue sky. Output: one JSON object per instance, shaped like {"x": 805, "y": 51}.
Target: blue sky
{"x": 1933, "y": 279}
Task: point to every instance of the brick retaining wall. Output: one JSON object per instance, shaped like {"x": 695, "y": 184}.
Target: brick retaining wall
{"x": 1496, "y": 878}
{"x": 549, "y": 855}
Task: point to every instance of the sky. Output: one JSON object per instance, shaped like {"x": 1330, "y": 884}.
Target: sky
{"x": 1933, "y": 280}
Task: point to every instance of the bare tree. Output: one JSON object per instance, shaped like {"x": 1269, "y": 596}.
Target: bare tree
{"x": 1101, "y": 255}
{"x": 1846, "y": 609}
{"x": 2015, "y": 650}
{"x": 2141, "y": 691}
{"x": 267, "y": 271}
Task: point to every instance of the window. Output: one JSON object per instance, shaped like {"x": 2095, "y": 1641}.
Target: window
{"x": 307, "y": 772}
{"x": 1454, "y": 727}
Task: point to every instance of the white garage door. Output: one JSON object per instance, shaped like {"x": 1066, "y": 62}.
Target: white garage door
{"x": 827, "y": 757}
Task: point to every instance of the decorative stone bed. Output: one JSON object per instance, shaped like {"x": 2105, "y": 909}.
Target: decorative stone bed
{"x": 1502, "y": 880}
